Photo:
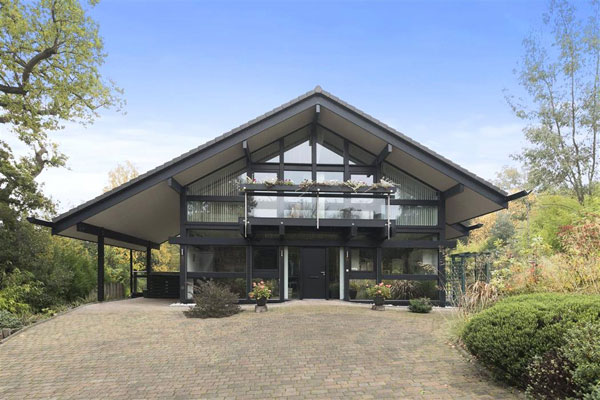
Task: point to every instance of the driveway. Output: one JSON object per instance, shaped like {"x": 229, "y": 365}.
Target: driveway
{"x": 143, "y": 348}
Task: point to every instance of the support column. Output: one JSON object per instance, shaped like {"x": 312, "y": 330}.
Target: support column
{"x": 101, "y": 267}
{"x": 130, "y": 273}
{"x": 148, "y": 260}
{"x": 182, "y": 275}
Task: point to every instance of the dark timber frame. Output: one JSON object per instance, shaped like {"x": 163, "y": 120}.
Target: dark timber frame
{"x": 253, "y": 232}
{"x": 375, "y": 239}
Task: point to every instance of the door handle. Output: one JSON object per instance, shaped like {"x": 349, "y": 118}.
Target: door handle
{"x": 323, "y": 273}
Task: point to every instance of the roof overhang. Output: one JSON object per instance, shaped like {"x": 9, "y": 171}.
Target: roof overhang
{"x": 148, "y": 208}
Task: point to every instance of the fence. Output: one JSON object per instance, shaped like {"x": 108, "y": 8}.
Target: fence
{"x": 464, "y": 269}
{"x": 112, "y": 291}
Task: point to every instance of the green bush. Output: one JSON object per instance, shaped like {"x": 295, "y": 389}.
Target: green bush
{"x": 9, "y": 320}
{"x": 213, "y": 301}
{"x": 582, "y": 349}
{"x": 507, "y": 336}
{"x": 550, "y": 377}
{"x": 422, "y": 305}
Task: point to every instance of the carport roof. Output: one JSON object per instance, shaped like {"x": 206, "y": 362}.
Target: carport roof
{"x": 146, "y": 207}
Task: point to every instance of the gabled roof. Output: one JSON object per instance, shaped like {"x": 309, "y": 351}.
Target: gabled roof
{"x": 147, "y": 208}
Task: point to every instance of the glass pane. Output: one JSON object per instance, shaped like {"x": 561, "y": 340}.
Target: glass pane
{"x": 368, "y": 179}
{"x": 268, "y": 154}
{"x": 358, "y": 288}
{"x": 297, "y": 176}
{"x": 327, "y": 156}
{"x": 406, "y": 290}
{"x": 261, "y": 177}
{"x": 328, "y": 176}
{"x": 265, "y": 258}
{"x": 236, "y": 285}
{"x": 293, "y": 272}
{"x": 415, "y": 215}
{"x": 271, "y": 283}
{"x": 407, "y": 187}
{"x": 262, "y": 206}
{"x": 360, "y": 156}
{"x": 301, "y": 154}
{"x": 299, "y": 207}
{"x": 225, "y": 182}
{"x": 216, "y": 259}
{"x": 415, "y": 236}
{"x": 362, "y": 259}
{"x": 214, "y": 233}
{"x": 333, "y": 272}
{"x": 409, "y": 261}
{"x": 212, "y": 211}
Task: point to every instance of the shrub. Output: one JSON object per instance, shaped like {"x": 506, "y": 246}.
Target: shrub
{"x": 507, "y": 336}
{"x": 379, "y": 290}
{"x": 9, "y": 320}
{"x": 582, "y": 349}
{"x": 213, "y": 301}
{"x": 549, "y": 377}
{"x": 422, "y": 305}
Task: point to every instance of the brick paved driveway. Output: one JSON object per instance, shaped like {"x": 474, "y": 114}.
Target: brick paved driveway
{"x": 144, "y": 349}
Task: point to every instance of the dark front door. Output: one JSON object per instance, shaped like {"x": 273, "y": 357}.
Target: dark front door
{"x": 313, "y": 272}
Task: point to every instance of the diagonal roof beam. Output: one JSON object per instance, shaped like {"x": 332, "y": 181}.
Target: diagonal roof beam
{"x": 122, "y": 237}
{"x": 386, "y": 151}
{"x": 176, "y": 186}
{"x": 453, "y": 191}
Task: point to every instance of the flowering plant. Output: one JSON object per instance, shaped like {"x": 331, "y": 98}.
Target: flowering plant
{"x": 260, "y": 291}
{"x": 379, "y": 290}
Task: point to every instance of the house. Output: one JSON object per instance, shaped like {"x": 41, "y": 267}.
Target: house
{"x": 315, "y": 197}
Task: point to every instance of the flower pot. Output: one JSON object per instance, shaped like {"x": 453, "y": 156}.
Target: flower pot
{"x": 352, "y": 292}
{"x": 379, "y": 300}
{"x": 261, "y": 302}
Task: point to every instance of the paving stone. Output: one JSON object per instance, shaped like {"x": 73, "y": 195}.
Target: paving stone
{"x": 141, "y": 349}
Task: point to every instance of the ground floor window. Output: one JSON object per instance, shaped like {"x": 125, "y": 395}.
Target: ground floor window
{"x": 409, "y": 261}
{"x": 216, "y": 259}
{"x": 406, "y": 289}
{"x": 236, "y": 285}
{"x": 358, "y": 288}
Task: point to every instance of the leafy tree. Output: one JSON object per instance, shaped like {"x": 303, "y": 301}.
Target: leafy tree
{"x": 50, "y": 55}
{"x": 561, "y": 75}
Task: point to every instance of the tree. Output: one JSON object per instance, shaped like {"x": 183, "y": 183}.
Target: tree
{"x": 561, "y": 75}
{"x": 50, "y": 55}
{"x": 121, "y": 174}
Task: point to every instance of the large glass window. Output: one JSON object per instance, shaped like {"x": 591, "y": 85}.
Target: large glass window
{"x": 214, "y": 233}
{"x": 265, "y": 258}
{"x": 362, "y": 259}
{"x": 400, "y": 236}
{"x": 265, "y": 176}
{"x": 236, "y": 285}
{"x": 333, "y": 272}
{"x": 329, "y": 176}
{"x": 358, "y": 288}
{"x": 293, "y": 272}
{"x": 271, "y": 283}
{"x": 300, "y": 154}
{"x": 415, "y": 215}
{"x": 297, "y": 177}
{"x": 216, "y": 259}
{"x": 368, "y": 179}
{"x": 213, "y": 211}
{"x": 406, "y": 290}
{"x": 327, "y": 156}
{"x": 409, "y": 261}
{"x": 225, "y": 182}
{"x": 407, "y": 187}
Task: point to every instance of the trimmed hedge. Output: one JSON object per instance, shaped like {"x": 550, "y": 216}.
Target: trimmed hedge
{"x": 507, "y": 336}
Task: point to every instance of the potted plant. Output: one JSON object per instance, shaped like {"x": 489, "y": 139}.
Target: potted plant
{"x": 379, "y": 293}
{"x": 261, "y": 292}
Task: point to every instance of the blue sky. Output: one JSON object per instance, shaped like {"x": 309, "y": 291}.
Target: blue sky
{"x": 434, "y": 70}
